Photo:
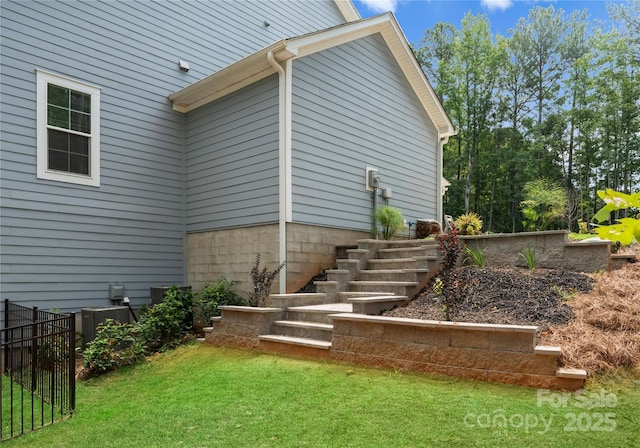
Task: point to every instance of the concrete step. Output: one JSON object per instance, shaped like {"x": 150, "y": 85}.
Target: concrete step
{"x": 430, "y": 262}
{"x": 389, "y": 288}
{"x": 339, "y": 275}
{"x": 350, "y": 265}
{"x": 300, "y": 329}
{"x": 317, "y": 313}
{"x": 346, "y": 295}
{"x": 329, "y": 288}
{"x": 338, "y": 272}
{"x": 392, "y": 263}
{"x": 405, "y": 252}
{"x": 292, "y": 345}
{"x": 356, "y": 254}
{"x": 301, "y": 299}
{"x": 388, "y": 275}
{"x": 376, "y": 304}
{"x": 394, "y": 244}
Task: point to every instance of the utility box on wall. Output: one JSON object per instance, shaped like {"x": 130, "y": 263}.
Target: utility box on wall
{"x": 92, "y": 317}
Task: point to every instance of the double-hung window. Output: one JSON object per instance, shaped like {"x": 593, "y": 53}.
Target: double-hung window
{"x": 68, "y": 130}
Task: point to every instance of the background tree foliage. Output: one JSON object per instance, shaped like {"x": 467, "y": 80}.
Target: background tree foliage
{"x": 557, "y": 99}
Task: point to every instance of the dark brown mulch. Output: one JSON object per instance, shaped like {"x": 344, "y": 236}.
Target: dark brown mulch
{"x": 515, "y": 296}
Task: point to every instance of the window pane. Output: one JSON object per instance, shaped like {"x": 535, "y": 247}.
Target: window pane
{"x": 58, "y": 160}
{"x": 81, "y": 122}
{"x": 68, "y": 152}
{"x": 80, "y": 101}
{"x": 58, "y": 117}
{"x": 79, "y": 154}
{"x": 58, "y": 96}
{"x": 79, "y": 145}
{"x": 79, "y": 164}
{"x": 58, "y": 140}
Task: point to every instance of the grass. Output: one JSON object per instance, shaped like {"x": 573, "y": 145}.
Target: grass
{"x": 17, "y": 403}
{"x": 203, "y": 396}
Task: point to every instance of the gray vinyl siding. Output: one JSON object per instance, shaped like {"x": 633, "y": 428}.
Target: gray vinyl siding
{"x": 61, "y": 245}
{"x": 352, "y": 108}
{"x": 232, "y": 160}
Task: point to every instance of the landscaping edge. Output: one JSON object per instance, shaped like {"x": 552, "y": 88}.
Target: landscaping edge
{"x": 485, "y": 352}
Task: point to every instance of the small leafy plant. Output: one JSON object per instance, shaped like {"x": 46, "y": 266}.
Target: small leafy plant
{"x": 390, "y": 220}
{"x": 469, "y": 224}
{"x": 564, "y": 294}
{"x": 475, "y": 256}
{"x": 115, "y": 345}
{"x": 438, "y": 286}
{"x": 529, "y": 254}
{"x": 262, "y": 280}
{"x": 583, "y": 227}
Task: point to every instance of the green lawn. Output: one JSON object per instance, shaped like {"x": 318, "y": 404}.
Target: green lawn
{"x": 17, "y": 403}
{"x": 203, "y": 396}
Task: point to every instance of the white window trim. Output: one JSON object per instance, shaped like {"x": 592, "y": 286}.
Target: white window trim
{"x": 93, "y": 179}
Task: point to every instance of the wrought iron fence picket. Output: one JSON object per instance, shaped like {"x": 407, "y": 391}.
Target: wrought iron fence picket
{"x": 38, "y": 369}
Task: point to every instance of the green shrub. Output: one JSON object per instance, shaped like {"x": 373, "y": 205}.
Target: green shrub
{"x": 469, "y": 224}
{"x": 165, "y": 325}
{"x": 391, "y": 220}
{"x": 115, "y": 345}
{"x": 211, "y": 296}
{"x": 262, "y": 280}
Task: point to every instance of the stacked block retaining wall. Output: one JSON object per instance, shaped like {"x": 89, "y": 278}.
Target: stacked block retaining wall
{"x": 495, "y": 353}
{"x": 552, "y": 250}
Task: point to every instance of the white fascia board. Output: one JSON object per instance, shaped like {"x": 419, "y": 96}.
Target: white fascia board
{"x": 348, "y": 11}
{"x": 388, "y": 27}
{"x": 240, "y": 74}
{"x": 338, "y": 35}
{"x": 403, "y": 53}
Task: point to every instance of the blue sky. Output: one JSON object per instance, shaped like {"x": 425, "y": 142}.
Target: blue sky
{"x": 415, "y": 16}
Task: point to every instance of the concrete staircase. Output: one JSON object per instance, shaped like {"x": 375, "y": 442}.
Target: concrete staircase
{"x": 376, "y": 276}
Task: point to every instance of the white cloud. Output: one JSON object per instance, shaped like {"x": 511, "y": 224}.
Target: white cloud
{"x": 493, "y": 5}
{"x": 381, "y": 6}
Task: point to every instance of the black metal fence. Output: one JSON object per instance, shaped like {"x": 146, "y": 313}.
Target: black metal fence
{"x": 37, "y": 383}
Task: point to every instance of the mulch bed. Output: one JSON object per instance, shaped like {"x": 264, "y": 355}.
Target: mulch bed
{"x": 516, "y": 296}
{"x": 595, "y": 318}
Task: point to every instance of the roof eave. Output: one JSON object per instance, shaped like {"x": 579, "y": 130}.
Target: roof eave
{"x": 240, "y": 74}
{"x": 256, "y": 66}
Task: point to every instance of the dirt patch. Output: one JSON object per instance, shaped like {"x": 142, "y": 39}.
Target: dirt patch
{"x": 515, "y": 296}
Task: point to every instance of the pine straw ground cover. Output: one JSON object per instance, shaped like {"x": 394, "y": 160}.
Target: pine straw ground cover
{"x": 595, "y": 318}
{"x": 605, "y": 332}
